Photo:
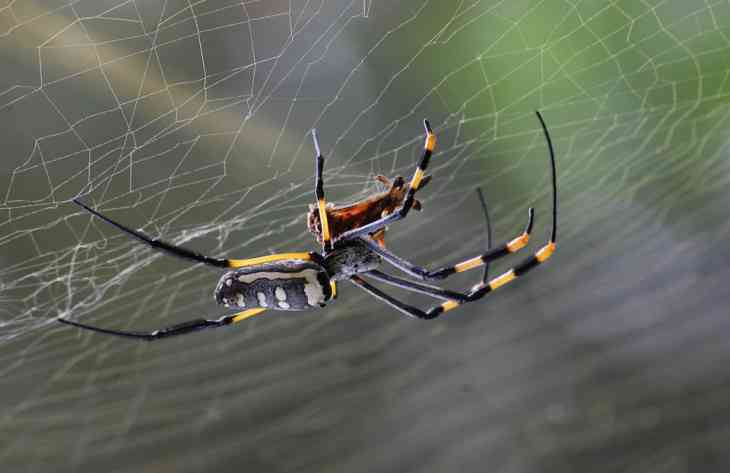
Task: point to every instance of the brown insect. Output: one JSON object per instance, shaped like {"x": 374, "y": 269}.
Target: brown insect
{"x": 343, "y": 218}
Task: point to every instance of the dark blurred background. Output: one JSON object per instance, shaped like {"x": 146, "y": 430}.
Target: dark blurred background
{"x": 190, "y": 120}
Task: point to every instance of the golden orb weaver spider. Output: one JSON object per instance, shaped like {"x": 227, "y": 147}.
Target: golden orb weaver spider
{"x": 303, "y": 281}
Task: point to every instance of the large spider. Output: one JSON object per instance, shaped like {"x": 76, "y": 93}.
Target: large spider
{"x": 303, "y": 281}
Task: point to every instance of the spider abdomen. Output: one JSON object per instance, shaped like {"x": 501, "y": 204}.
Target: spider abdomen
{"x": 284, "y": 285}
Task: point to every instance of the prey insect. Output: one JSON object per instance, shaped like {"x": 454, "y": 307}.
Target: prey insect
{"x": 307, "y": 280}
{"x": 342, "y": 218}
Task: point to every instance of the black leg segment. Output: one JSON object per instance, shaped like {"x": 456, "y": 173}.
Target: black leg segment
{"x": 480, "y": 290}
{"x": 488, "y": 224}
{"x": 413, "y": 286}
{"x": 392, "y": 301}
{"x": 178, "y": 329}
{"x": 159, "y": 245}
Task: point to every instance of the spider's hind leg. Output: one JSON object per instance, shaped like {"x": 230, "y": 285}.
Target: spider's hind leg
{"x": 482, "y": 289}
{"x": 497, "y": 252}
{"x": 178, "y": 329}
{"x": 158, "y": 244}
{"x": 478, "y": 292}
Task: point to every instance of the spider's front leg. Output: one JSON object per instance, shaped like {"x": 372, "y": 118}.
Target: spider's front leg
{"x": 417, "y": 181}
{"x": 322, "y": 204}
{"x": 484, "y": 288}
{"x": 319, "y": 194}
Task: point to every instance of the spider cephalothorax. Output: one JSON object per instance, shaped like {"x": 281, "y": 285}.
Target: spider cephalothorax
{"x": 350, "y": 257}
{"x": 352, "y": 250}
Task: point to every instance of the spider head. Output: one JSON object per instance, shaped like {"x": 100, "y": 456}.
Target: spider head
{"x": 350, "y": 257}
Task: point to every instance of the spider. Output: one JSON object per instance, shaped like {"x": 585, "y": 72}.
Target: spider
{"x": 304, "y": 281}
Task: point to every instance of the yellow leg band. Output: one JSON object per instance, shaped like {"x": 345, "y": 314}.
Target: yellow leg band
{"x": 469, "y": 264}
{"x": 518, "y": 243}
{"x": 545, "y": 252}
{"x": 333, "y": 286}
{"x": 246, "y": 314}
{"x": 502, "y": 280}
{"x": 323, "y": 220}
{"x": 448, "y": 305}
{"x": 238, "y": 263}
{"x": 417, "y": 176}
{"x": 430, "y": 142}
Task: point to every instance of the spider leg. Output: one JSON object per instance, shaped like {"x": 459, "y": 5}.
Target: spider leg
{"x": 481, "y": 290}
{"x": 407, "y": 309}
{"x": 416, "y": 183}
{"x": 478, "y": 292}
{"x": 421, "y": 288}
{"x": 319, "y": 194}
{"x": 191, "y": 255}
{"x": 158, "y": 244}
{"x": 427, "y": 289}
{"x": 322, "y": 204}
{"x": 178, "y": 329}
{"x": 497, "y": 252}
{"x": 488, "y": 224}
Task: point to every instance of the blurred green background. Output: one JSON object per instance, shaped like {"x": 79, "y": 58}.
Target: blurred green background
{"x": 191, "y": 121}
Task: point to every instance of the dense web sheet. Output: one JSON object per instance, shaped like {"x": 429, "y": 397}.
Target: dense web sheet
{"x": 191, "y": 121}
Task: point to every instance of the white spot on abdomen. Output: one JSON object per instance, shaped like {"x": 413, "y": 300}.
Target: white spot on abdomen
{"x": 283, "y": 305}
{"x": 314, "y": 292}
{"x": 280, "y": 294}
{"x": 312, "y": 288}
{"x": 241, "y": 301}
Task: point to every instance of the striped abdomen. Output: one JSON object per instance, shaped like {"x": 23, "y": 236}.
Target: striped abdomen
{"x": 283, "y": 285}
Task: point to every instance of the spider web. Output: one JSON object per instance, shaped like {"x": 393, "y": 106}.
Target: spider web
{"x": 191, "y": 121}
